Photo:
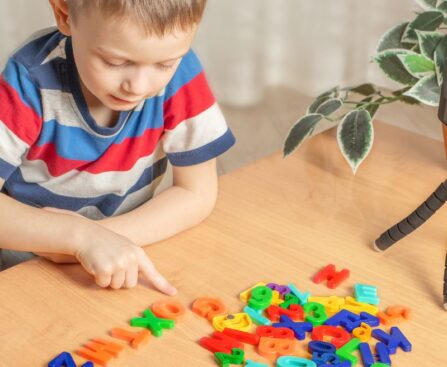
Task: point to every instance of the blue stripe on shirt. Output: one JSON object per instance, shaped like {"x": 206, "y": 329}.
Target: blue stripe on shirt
{"x": 78, "y": 144}
{"x": 18, "y": 78}
{"x": 6, "y": 169}
{"x": 36, "y": 195}
{"x": 204, "y": 153}
{"x": 188, "y": 69}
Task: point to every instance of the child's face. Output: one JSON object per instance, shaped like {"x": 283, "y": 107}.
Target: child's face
{"x": 119, "y": 64}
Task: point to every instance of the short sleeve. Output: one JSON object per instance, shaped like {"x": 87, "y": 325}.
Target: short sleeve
{"x": 20, "y": 116}
{"x": 195, "y": 129}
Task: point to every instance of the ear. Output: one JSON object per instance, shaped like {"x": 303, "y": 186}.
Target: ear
{"x": 61, "y": 15}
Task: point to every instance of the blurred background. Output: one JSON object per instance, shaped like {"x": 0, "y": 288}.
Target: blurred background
{"x": 266, "y": 59}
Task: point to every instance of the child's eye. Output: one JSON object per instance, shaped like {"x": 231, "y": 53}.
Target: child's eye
{"x": 165, "y": 67}
{"x": 114, "y": 65}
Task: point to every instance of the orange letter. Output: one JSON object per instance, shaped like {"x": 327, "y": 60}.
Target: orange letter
{"x": 208, "y": 307}
{"x": 272, "y": 348}
{"x": 100, "y": 351}
{"x": 168, "y": 309}
{"x": 135, "y": 339}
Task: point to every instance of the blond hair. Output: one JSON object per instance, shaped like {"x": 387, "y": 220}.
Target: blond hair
{"x": 156, "y": 16}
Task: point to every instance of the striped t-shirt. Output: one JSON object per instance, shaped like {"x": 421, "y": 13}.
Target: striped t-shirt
{"x": 53, "y": 153}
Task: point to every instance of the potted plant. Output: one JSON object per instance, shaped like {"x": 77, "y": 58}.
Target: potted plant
{"x": 412, "y": 54}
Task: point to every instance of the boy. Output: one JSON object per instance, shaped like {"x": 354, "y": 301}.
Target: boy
{"x": 89, "y": 116}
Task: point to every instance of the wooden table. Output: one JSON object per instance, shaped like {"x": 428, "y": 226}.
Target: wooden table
{"x": 276, "y": 220}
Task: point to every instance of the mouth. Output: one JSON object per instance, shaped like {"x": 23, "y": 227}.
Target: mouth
{"x": 123, "y": 101}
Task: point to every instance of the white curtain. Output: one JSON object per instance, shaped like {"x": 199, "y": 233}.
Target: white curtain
{"x": 19, "y": 19}
{"x": 307, "y": 45}
{"x": 248, "y": 45}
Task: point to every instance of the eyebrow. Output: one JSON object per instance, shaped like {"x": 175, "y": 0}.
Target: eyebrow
{"x": 113, "y": 54}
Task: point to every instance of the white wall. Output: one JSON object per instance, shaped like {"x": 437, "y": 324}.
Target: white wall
{"x": 19, "y": 19}
{"x": 308, "y": 45}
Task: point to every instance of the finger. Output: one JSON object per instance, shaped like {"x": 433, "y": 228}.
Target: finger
{"x": 148, "y": 270}
{"x": 103, "y": 280}
{"x": 131, "y": 277}
{"x": 118, "y": 279}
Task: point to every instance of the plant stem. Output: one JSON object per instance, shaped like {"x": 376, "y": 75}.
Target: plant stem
{"x": 387, "y": 100}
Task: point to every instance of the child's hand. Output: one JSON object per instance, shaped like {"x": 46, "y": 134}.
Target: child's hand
{"x": 115, "y": 261}
{"x": 58, "y": 258}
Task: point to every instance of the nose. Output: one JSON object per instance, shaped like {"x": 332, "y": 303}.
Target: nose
{"x": 137, "y": 83}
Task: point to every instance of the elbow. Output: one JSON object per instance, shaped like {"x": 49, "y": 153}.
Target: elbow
{"x": 206, "y": 206}
{"x": 209, "y": 207}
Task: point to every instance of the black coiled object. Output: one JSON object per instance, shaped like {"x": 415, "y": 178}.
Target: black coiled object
{"x": 435, "y": 201}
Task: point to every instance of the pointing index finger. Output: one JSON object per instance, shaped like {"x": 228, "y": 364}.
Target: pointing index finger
{"x": 147, "y": 268}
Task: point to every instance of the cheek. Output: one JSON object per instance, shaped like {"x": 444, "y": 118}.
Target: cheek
{"x": 163, "y": 79}
{"x": 99, "y": 78}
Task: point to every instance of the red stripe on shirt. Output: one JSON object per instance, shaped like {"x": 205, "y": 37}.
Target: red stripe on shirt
{"x": 21, "y": 119}
{"x": 118, "y": 157}
{"x": 189, "y": 101}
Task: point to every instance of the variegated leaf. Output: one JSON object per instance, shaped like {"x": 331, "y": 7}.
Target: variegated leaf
{"x": 323, "y": 97}
{"x": 405, "y": 99}
{"x": 302, "y": 129}
{"x": 426, "y": 91}
{"x": 333, "y": 92}
{"x": 365, "y": 89}
{"x": 428, "y": 41}
{"x": 426, "y": 21}
{"x": 355, "y": 135}
{"x": 374, "y": 107}
{"x": 417, "y": 65}
{"x": 330, "y": 106}
{"x": 317, "y": 103}
{"x": 392, "y": 39}
{"x": 427, "y": 4}
{"x": 440, "y": 58}
{"x": 442, "y": 5}
{"x": 390, "y": 64}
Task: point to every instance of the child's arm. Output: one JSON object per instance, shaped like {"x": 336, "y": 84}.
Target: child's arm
{"x": 25, "y": 228}
{"x": 112, "y": 259}
{"x": 187, "y": 203}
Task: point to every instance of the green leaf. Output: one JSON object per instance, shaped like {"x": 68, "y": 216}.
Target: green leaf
{"x": 410, "y": 100}
{"x": 392, "y": 39}
{"x": 371, "y": 108}
{"x": 390, "y": 64}
{"x": 333, "y": 92}
{"x": 323, "y": 97}
{"x": 317, "y": 103}
{"x": 426, "y": 21}
{"x": 355, "y": 136}
{"x": 428, "y": 41}
{"x": 330, "y": 106}
{"x": 427, "y": 4}
{"x": 440, "y": 58}
{"x": 442, "y": 5}
{"x": 365, "y": 89}
{"x": 426, "y": 91}
{"x": 416, "y": 48}
{"x": 302, "y": 129}
{"x": 406, "y": 99}
{"x": 417, "y": 65}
